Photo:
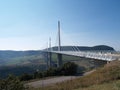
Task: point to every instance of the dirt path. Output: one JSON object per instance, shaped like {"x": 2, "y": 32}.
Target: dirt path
{"x": 54, "y": 80}
{"x": 50, "y": 81}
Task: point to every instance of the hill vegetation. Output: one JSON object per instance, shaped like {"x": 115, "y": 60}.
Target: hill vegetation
{"x": 14, "y": 83}
{"x": 104, "y": 76}
{"x": 18, "y": 70}
{"x": 20, "y": 62}
{"x": 66, "y": 69}
{"x": 27, "y": 62}
{"x": 19, "y": 57}
{"x": 85, "y": 48}
{"x": 23, "y": 57}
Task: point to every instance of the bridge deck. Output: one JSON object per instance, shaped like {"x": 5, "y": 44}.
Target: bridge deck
{"x": 107, "y": 56}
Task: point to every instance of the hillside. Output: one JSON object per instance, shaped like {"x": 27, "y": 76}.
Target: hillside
{"x": 19, "y": 57}
{"x": 20, "y": 62}
{"x": 85, "y": 48}
{"x": 104, "y": 78}
{"x": 23, "y": 57}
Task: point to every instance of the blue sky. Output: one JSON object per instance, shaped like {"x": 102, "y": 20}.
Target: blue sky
{"x": 28, "y": 24}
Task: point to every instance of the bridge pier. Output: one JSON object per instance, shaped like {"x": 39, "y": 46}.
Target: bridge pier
{"x": 59, "y": 60}
{"x": 49, "y": 59}
{"x": 45, "y": 56}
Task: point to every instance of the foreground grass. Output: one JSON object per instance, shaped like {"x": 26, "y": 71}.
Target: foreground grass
{"x": 115, "y": 85}
{"x": 101, "y": 78}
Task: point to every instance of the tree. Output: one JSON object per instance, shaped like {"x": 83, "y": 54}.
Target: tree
{"x": 69, "y": 68}
{"x": 37, "y": 75}
{"x": 11, "y": 83}
{"x": 26, "y": 77}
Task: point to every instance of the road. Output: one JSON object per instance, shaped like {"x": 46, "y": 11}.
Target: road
{"x": 50, "y": 81}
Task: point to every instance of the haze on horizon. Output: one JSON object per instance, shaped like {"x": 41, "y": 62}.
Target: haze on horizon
{"x": 28, "y": 24}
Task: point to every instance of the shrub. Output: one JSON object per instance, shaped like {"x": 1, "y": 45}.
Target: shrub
{"x": 26, "y": 77}
{"x": 108, "y": 73}
{"x": 11, "y": 83}
{"x": 37, "y": 75}
{"x": 69, "y": 68}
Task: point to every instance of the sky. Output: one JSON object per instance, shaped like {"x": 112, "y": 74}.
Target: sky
{"x": 28, "y": 24}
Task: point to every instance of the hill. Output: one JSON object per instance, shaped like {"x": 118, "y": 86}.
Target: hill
{"x": 22, "y": 57}
{"x": 18, "y": 57}
{"x": 104, "y": 78}
{"x": 85, "y": 48}
{"x": 20, "y": 62}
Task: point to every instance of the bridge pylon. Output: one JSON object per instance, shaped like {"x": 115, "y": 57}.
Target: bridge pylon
{"x": 59, "y": 56}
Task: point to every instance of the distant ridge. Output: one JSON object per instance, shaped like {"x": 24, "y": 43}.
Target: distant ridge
{"x": 85, "y": 48}
{"x": 9, "y": 56}
{"x": 21, "y": 57}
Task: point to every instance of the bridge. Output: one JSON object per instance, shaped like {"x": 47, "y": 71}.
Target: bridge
{"x": 97, "y": 55}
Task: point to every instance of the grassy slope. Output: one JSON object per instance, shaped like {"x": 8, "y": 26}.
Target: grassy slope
{"x": 115, "y": 85}
{"x": 104, "y": 78}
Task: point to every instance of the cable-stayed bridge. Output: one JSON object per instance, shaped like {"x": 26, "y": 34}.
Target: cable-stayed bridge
{"x": 90, "y": 54}
{"x": 96, "y": 54}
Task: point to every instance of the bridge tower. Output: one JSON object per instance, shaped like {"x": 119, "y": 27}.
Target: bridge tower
{"x": 59, "y": 38}
{"x": 59, "y": 47}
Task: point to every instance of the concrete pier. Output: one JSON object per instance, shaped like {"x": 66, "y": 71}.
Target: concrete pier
{"x": 59, "y": 56}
